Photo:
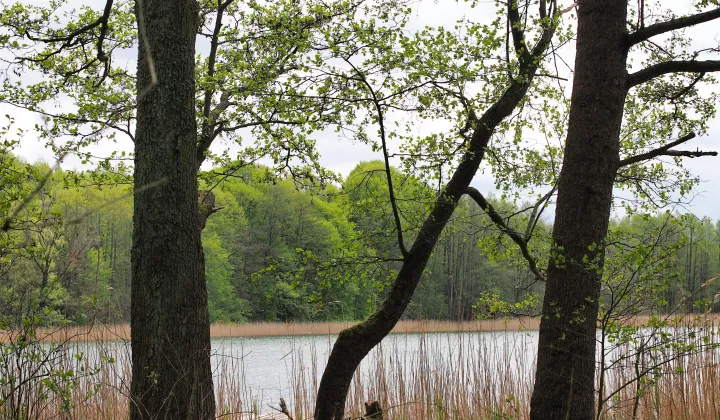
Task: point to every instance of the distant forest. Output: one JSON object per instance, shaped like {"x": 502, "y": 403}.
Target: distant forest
{"x": 281, "y": 250}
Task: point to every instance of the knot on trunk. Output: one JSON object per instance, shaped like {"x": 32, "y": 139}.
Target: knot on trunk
{"x": 206, "y": 203}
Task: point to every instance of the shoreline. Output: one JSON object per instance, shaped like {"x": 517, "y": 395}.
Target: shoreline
{"x": 121, "y": 332}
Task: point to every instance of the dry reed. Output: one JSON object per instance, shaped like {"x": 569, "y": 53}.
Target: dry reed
{"x": 479, "y": 375}
{"x": 121, "y": 332}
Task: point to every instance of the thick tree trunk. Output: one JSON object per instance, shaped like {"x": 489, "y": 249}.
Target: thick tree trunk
{"x": 565, "y": 379}
{"x": 171, "y": 375}
{"x": 353, "y": 344}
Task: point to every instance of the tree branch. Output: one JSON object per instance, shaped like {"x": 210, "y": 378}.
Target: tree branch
{"x": 208, "y": 133}
{"x": 666, "y": 67}
{"x": 512, "y": 233}
{"x": 537, "y": 212}
{"x": 74, "y": 39}
{"x": 687, "y": 88}
{"x": 386, "y": 157}
{"x": 210, "y": 116}
{"x": 689, "y": 153}
{"x": 656, "y": 153}
{"x": 518, "y": 35}
{"x": 212, "y": 57}
{"x": 665, "y": 151}
{"x": 643, "y": 34}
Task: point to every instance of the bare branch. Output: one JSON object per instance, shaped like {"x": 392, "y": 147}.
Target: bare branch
{"x": 665, "y": 151}
{"x": 666, "y": 67}
{"x": 512, "y": 233}
{"x": 643, "y": 34}
{"x": 689, "y": 153}
{"x": 543, "y": 9}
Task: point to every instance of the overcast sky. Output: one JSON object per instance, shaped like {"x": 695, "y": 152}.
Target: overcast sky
{"x": 341, "y": 156}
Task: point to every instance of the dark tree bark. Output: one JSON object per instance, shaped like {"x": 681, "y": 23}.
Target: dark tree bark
{"x": 564, "y": 383}
{"x": 171, "y": 375}
{"x": 354, "y": 343}
{"x": 565, "y": 378}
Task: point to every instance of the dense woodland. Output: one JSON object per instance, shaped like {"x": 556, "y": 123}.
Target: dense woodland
{"x": 276, "y": 250}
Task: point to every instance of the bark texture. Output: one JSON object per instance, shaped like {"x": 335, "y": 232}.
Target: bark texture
{"x": 354, "y": 343}
{"x": 171, "y": 375}
{"x": 565, "y": 378}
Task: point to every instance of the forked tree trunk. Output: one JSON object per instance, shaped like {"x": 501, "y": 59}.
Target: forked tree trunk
{"x": 171, "y": 375}
{"x": 565, "y": 378}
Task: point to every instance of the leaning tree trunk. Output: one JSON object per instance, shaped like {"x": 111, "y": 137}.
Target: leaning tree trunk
{"x": 354, "y": 343}
{"x": 171, "y": 375}
{"x": 565, "y": 378}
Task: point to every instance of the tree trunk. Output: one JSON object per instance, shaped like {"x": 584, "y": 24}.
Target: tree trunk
{"x": 565, "y": 378}
{"x": 171, "y": 374}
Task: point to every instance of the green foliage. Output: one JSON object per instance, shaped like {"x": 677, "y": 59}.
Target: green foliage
{"x": 275, "y": 74}
{"x": 223, "y": 303}
{"x": 274, "y": 252}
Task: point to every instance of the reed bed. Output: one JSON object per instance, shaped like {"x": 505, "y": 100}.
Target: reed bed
{"x": 121, "y": 332}
{"x": 435, "y": 374}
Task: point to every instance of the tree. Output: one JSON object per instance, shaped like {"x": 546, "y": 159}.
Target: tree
{"x": 253, "y": 77}
{"x": 353, "y": 344}
{"x": 564, "y": 385}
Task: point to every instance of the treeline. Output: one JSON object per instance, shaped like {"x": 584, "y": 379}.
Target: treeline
{"x": 276, "y": 250}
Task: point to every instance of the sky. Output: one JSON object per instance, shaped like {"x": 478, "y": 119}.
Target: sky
{"x": 340, "y": 155}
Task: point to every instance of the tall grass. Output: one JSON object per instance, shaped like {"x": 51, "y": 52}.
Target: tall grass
{"x": 421, "y": 375}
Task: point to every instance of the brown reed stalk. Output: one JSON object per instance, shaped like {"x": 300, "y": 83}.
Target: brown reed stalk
{"x": 440, "y": 375}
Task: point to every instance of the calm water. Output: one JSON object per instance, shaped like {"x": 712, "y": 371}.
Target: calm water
{"x": 269, "y": 365}
{"x": 267, "y": 368}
